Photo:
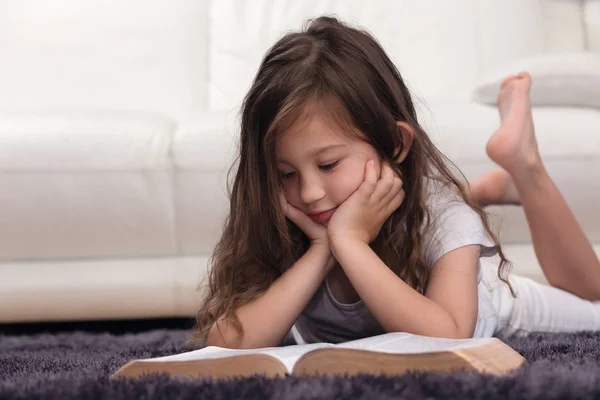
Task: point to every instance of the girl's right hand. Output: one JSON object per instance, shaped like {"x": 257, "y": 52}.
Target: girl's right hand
{"x": 317, "y": 233}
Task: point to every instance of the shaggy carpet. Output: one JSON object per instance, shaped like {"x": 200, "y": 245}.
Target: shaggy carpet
{"x": 77, "y": 365}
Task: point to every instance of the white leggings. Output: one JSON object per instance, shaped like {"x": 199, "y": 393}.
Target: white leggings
{"x": 536, "y": 307}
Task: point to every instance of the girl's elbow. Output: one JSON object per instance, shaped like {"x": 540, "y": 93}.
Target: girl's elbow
{"x": 464, "y": 331}
{"x": 462, "y": 335}
{"x": 451, "y": 334}
{"x": 217, "y": 337}
{"x": 452, "y": 330}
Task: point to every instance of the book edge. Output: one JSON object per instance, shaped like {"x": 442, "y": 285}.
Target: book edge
{"x": 470, "y": 357}
{"x": 512, "y": 358}
{"x": 222, "y": 367}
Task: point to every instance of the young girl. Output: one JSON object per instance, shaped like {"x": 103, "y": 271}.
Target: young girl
{"x": 346, "y": 221}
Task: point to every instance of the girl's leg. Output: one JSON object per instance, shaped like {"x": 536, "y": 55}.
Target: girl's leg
{"x": 563, "y": 251}
{"x": 538, "y": 307}
{"x": 495, "y": 187}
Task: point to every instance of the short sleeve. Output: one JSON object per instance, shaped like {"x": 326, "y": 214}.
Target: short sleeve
{"x": 454, "y": 224}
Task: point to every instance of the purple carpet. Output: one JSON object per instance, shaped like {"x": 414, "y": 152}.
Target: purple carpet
{"x": 78, "y": 365}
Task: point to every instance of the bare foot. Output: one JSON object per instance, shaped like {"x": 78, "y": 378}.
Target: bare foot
{"x": 494, "y": 187}
{"x": 513, "y": 146}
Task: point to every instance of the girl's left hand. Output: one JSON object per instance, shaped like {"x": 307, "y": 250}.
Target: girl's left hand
{"x": 361, "y": 216}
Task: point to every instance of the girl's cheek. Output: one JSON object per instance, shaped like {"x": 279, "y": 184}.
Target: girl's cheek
{"x": 347, "y": 183}
{"x": 290, "y": 196}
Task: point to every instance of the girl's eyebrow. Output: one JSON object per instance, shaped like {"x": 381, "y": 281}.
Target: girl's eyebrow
{"x": 318, "y": 151}
{"x": 324, "y": 149}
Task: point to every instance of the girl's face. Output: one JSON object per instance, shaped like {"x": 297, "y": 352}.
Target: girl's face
{"x": 321, "y": 165}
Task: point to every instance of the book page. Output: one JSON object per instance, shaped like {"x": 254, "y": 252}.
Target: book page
{"x": 286, "y": 354}
{"x": 405, "y": 343}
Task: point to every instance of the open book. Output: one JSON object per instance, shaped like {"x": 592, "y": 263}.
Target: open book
{"x": 390, "y": 354}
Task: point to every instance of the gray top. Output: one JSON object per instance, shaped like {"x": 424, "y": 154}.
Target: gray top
{"x": 454, "y": 225}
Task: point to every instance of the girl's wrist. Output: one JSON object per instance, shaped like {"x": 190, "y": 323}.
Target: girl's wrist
{"x": 324, "y": 250}
{"x": 346, "y": 240}
{"x": 341, "y": 244}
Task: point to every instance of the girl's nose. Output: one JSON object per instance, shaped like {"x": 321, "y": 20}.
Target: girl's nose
{"x": 311, "y": 190}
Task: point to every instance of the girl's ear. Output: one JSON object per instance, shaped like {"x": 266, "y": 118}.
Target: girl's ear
{"x": 408, "y": 136}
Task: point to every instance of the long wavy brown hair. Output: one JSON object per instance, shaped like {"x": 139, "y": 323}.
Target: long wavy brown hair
{"x": 347, "y": 69}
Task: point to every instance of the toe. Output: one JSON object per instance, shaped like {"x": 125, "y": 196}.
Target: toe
{"x": 506, "y": 81}
{"x": 524, "y": 75}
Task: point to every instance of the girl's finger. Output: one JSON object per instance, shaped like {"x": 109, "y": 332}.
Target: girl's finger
{"x": 386, "y": 182}
{"x": 386, "y": 172}
{"x": 283, "y": 203}
{"x": 370, "y": 180}
{"x": 397, "y": 201}
{"x": 295, "y": 215}
{"x": 394, "y": 191}
{"x": 303, "y": 221}
{"x": 394, "y": 202}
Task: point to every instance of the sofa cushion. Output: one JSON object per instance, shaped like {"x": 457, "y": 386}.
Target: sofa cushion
{"x": 133, "y": 55}
{"x": 438, "y": 49}
{"x": 561, "y": 79}
{"x": 591, "y": 18}
{"x": 203, "y": 151}
{"x": 45, "y": 141}
{"x": 512, "y": 29}
{"x": 435, "y": 48}
{"x": 85, "y": 186}
{"x": 120, "y": 288}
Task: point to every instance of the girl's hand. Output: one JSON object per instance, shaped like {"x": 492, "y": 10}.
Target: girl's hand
{"x": 317, "y": 233}
{"x": 361, "y": 216}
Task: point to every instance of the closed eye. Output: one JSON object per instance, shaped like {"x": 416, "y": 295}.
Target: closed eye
{"x": 328, "y": 167}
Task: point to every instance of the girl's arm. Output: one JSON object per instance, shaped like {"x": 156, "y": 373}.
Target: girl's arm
{"x": 268, "y": 319}
{"x": 449, "y": 308}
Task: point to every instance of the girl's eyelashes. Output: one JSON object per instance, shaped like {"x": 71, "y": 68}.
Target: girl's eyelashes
{"x": 326, "y": 167}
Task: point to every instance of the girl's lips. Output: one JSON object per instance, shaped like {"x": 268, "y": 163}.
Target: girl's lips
{"x": 322, "y": 217}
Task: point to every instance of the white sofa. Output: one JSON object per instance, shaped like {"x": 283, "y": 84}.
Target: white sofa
{"x": 118, "y": 122}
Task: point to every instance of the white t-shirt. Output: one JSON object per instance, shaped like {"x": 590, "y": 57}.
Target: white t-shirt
{"x": 454, "y": 224}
